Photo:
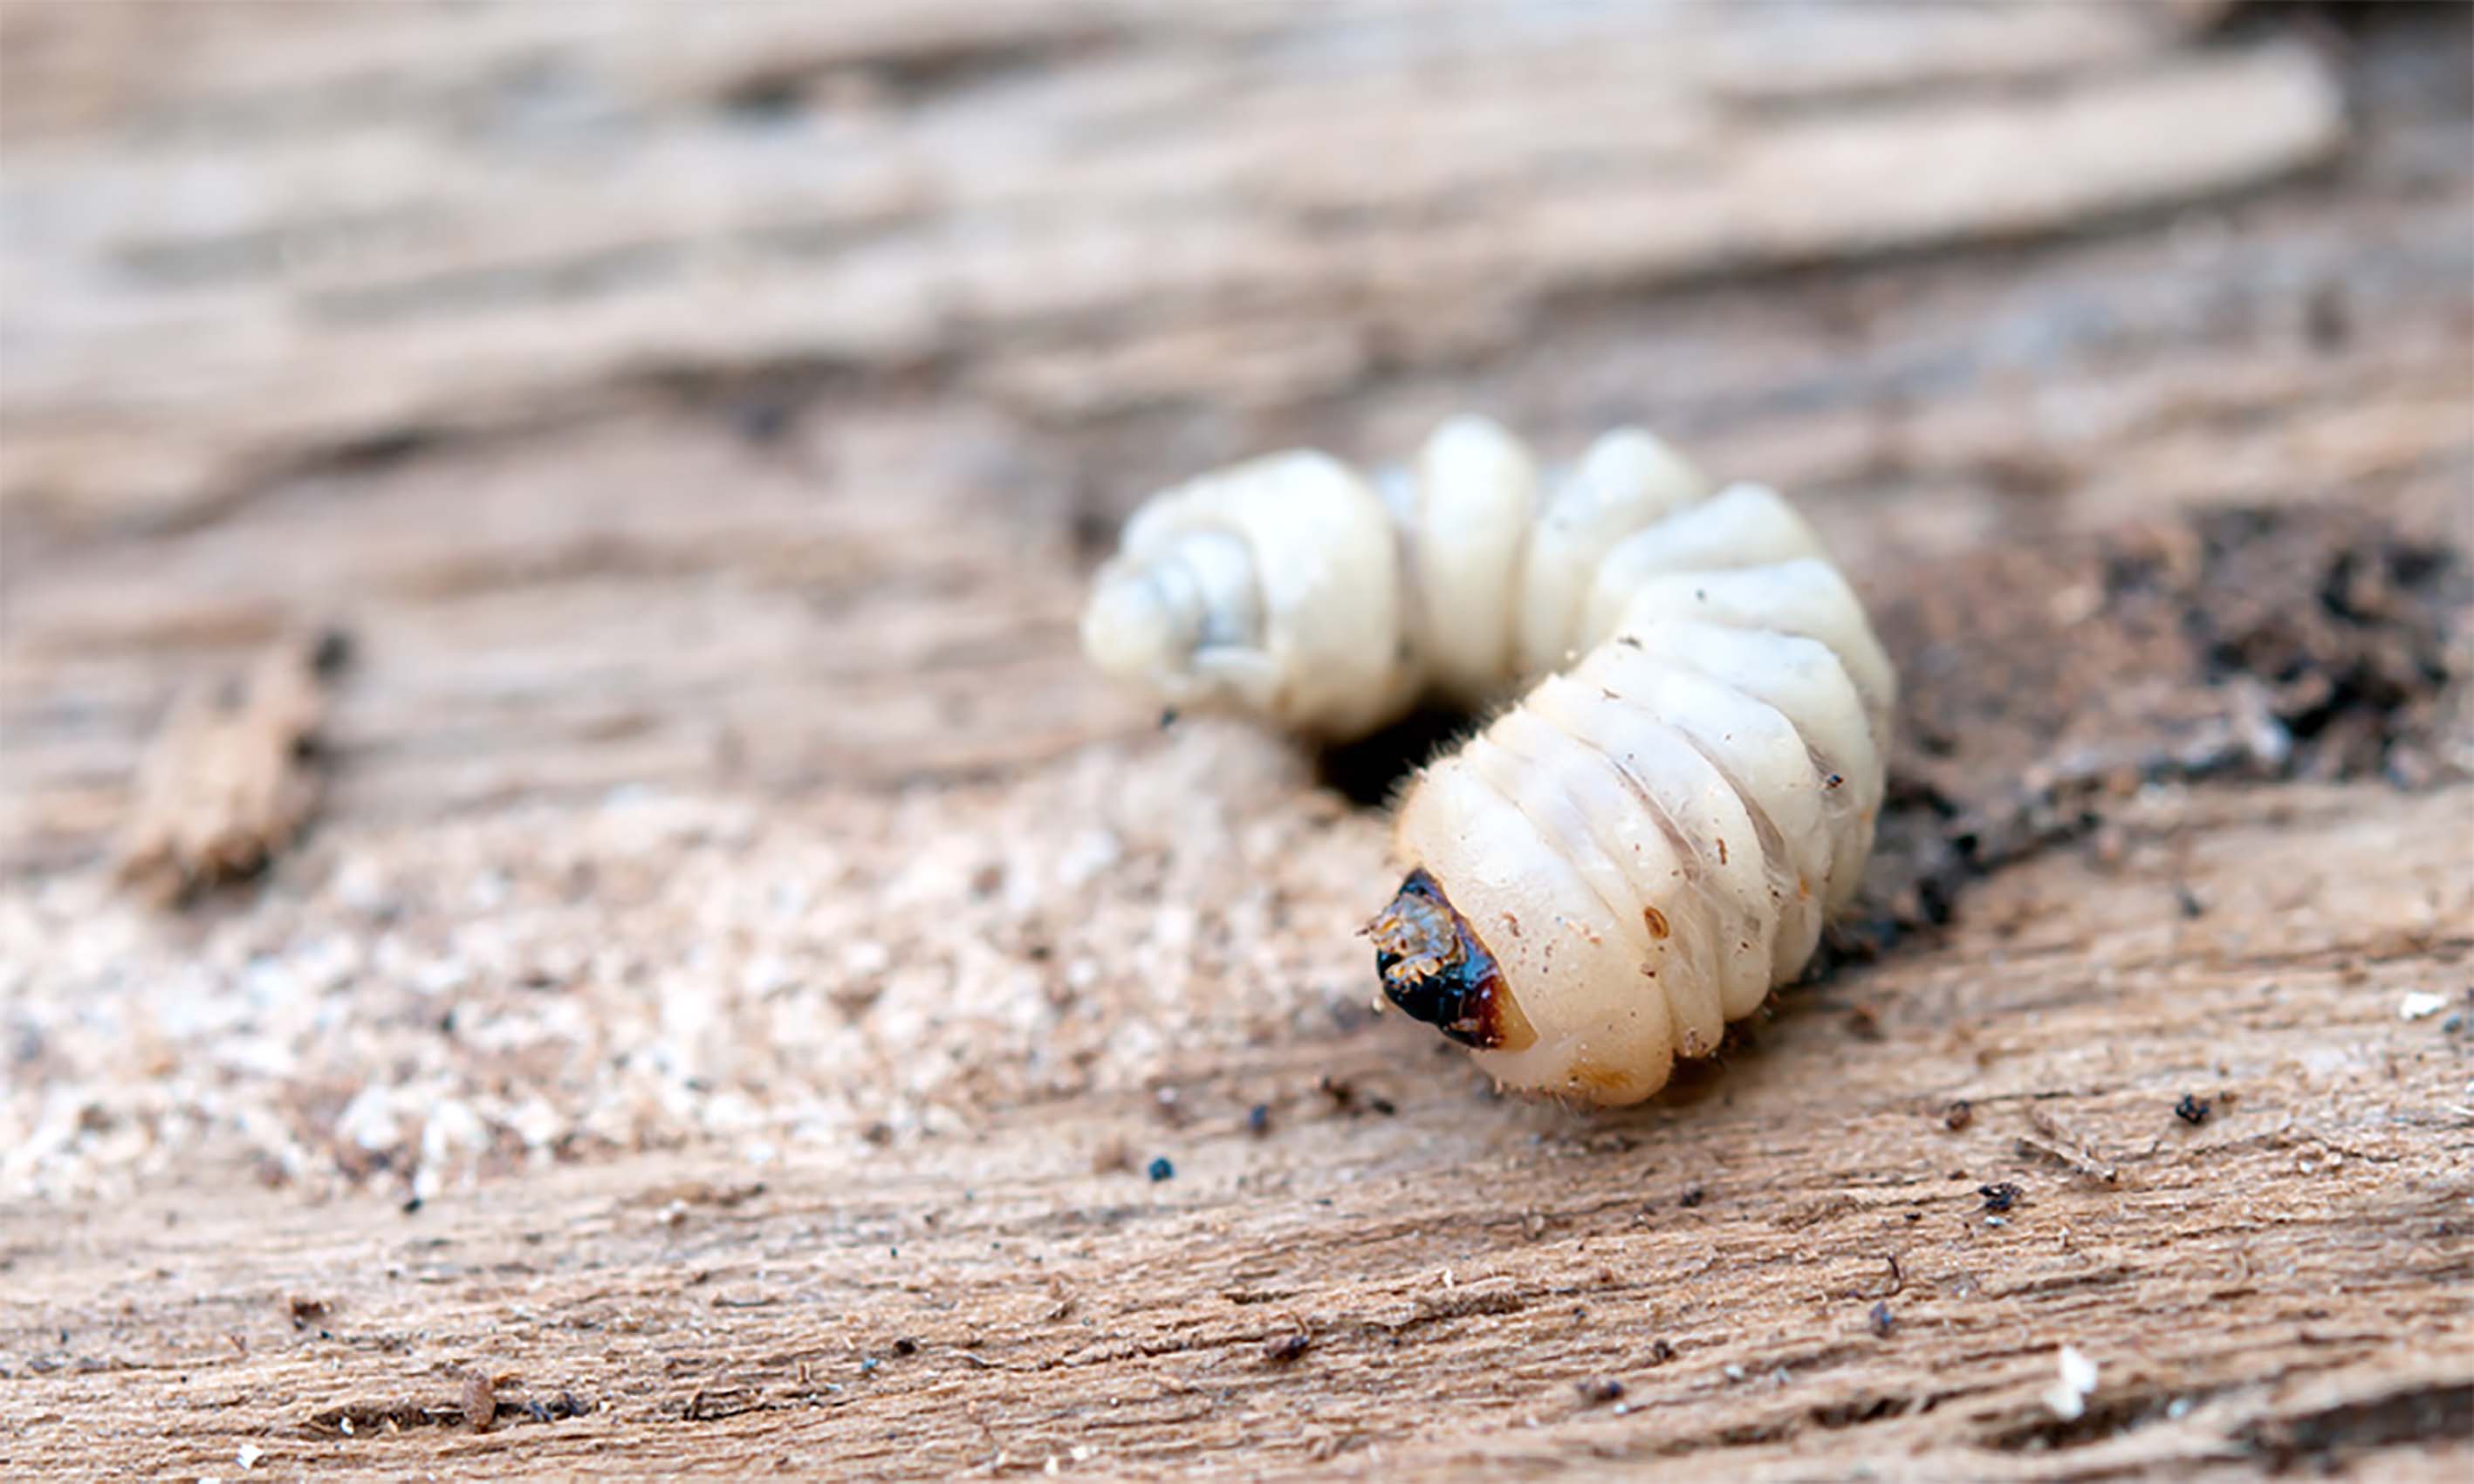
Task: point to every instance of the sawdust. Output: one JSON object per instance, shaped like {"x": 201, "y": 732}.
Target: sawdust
{"x": 415, "y": 1006}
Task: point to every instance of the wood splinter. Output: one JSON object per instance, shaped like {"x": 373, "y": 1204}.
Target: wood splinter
{"x": 230, "y": 779}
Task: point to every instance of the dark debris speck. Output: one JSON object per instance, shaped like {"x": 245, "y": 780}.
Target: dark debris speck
{"x": 2193, "y": 1109}
{"x": 2001, "y": 1197}
{"x": 1160, "y": 1169}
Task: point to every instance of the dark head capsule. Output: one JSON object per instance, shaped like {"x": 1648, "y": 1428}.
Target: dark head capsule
{"x": 1436, "y": 969}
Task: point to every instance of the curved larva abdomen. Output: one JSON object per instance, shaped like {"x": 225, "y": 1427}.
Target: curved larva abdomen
{"x": 1650, "y": 841}
{"x": 1633, "y": 855}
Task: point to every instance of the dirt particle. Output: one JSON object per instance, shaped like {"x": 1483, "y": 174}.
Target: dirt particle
{"x": 1599, "y": 1390}
{"x": 1656, "y": 922}
{"x": 1160, "y": 1169}
{"x": 1691, "y": 1197}
{"x": 1169, "y": 1104}
{"x": 2000, "y": 1198}
{"x": 2193, "y": 1109}
{"x": 1881, "y": 1321}
{"x": 480, "y": 1400}
{"x": 1957, "y": 1114}
{"x": 1282, "y": 1349}
{"x": 1660, "y": 1351}
{"x": 1258, "y": 1119}
{"x": 307, "y": 1312}
{"x": 906, "y": 1346}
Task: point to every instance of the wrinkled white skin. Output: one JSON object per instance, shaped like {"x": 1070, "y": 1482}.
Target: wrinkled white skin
{"x": 1272, "y": 588}
{"x": 1288, "y": 588}
{"x": 1648, "y": 842}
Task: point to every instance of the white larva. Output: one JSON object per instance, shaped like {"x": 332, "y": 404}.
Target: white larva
{"x": 1647, "y": 843}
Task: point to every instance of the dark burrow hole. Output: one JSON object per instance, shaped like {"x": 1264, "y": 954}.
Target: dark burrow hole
{"x": 1371, "y": 771}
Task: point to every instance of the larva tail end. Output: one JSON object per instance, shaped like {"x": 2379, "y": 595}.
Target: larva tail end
{"x": 1436, "y": 968}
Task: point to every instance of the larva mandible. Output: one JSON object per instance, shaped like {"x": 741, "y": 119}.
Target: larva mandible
{"x": 1644, "y": 846}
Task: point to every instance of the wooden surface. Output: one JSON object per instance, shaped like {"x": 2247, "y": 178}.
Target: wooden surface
{"x": 744, "y": 975}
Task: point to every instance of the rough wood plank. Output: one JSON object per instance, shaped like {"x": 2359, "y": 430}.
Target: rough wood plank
{"x": 985, "y": 1298}
{"x": 1182, "y": 210}
{"x": 772, "y": 964}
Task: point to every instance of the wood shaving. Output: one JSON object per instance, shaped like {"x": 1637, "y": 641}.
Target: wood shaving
{"x": 230, "y": 777}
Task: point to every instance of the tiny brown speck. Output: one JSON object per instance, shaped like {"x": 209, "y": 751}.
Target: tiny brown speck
{"x": 1599, "y": 1390}
{"x": 480, "y": 1401}
{"x": 1958, "y": 1116}
{"x": 1654, "y": 920}
{"x": 1282, "y": 1349}
{"x": 1722, "y": 853}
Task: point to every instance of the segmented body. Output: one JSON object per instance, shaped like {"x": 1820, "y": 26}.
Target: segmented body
{"x": 1649, "y": 840}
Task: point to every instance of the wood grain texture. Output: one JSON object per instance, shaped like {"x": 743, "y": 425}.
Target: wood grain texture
{"x": 984, "y": 1301}
{"x": 745, "y": 969}
{"x": 1077, "y": 211}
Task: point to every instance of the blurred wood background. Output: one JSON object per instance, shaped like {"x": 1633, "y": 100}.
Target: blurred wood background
{"x": 742, "y": 971}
